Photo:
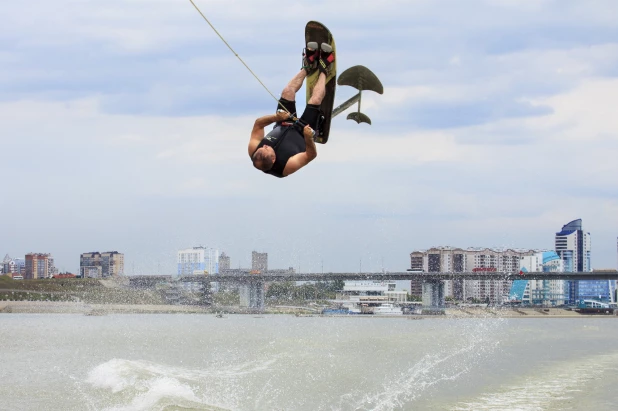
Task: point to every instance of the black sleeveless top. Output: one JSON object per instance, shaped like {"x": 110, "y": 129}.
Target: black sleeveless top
{"x": 286, "y": 141}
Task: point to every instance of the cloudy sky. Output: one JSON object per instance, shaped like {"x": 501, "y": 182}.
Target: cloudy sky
{"x": 124, "y": 126}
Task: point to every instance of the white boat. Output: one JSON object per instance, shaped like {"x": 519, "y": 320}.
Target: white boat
{"x": 387, "y": 309}
{"x": 352, "y": 308}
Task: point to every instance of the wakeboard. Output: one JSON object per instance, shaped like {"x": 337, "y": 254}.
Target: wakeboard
{"x": 316, "y": 31}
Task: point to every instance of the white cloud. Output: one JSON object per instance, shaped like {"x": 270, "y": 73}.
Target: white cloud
{"x": 74, "y": 75}
{"x": 587, "y": 113}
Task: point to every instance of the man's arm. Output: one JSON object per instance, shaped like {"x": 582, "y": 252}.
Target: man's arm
{"x": 257, "y": 134}
{"x": 300, "y": 160}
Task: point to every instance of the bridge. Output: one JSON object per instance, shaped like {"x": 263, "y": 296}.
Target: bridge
{"x": 252, "y": 284}
{"x": 411, "y": 275}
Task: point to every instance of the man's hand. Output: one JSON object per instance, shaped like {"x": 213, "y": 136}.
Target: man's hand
{"x": 310, "y": 151}
{"x": 300, "y": 160}
{"x": 257, "y": 134}
{"x": 282, "y": 115}
{"x": 308, "y": 132}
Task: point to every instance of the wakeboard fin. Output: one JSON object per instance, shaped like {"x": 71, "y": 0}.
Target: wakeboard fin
{"x": 359, "y": 117}
{"x": 361, "y": 78}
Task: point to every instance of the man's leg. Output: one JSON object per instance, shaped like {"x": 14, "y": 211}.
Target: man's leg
{"x": 311, "y": 115}
{"x": 319, "y": 91}
{"x": 288, "y": 95}
{"x": 289, "y": 92}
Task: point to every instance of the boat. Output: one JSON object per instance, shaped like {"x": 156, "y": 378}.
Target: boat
{"x": 337, "y": 311}
{"x": 387, "y": 309}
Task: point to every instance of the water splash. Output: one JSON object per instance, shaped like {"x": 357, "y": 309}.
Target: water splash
{"x": 447, "y": 363}
{"x": 143, "y": 385}
{"x": 553, "y": 388}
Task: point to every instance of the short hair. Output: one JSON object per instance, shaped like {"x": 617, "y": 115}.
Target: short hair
{"x": 260, "y": 161}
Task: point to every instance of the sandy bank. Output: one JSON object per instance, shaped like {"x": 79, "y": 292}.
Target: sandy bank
{"x": 56, "y": 307}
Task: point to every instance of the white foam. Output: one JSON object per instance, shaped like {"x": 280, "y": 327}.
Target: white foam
{"x": 146, "y": 385}
{"x": 160, "y": 393}
{"x": 143, "y": 385}
{"x": 555, "y": 385}
{"x": 447, "y": 363}
{"x": 115, "y": 375}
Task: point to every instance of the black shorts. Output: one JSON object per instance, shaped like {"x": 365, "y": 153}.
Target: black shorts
{"x": 310, "y": 115}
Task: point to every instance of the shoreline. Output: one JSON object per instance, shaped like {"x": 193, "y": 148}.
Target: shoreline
{"x": 55, "y": 307}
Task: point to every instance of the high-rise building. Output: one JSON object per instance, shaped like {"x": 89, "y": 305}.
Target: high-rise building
{"x": 90, "y": 265}
{"x": 573, "y": 245}
{"x": 459, "y": 260}
{"x": 259, "y": 261}
{"x": 38, "y": 266}
{"x": 198, "y": 260}
{"x": 224, "y": 262}
{"x": 416, "y": 288}
{"x": 101, "y": 265}
{"x": 113, "y": 263}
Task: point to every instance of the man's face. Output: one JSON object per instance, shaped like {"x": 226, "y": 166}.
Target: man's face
{"x": 265, "y": 158}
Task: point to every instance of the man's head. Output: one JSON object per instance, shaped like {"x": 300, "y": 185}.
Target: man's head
{"x": 264, "y": 158}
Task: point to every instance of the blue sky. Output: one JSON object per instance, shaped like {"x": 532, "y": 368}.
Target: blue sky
{"x": 125, "y": 125}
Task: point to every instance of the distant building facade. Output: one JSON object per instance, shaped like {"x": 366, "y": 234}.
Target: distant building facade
{"x": 540, "y": 292}
{"x": 224, "y": 262}
{"x": 20, "y": 266}
{"x": 14, "y": 266}
{"x": 8, "y": 265}
{"x": 573, "y": 244}
{"x": 367, "y": 296}
{"x": 101, "y": 265}
{"x": 39, "y": 266}
{"x": 459, "y": 260}
{"x": 198, "y": 260}
{"x": 416, "y": 288}
{"x": 259, "y": 262}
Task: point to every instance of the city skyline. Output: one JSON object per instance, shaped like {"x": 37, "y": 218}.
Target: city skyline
{"x": 496, "y": 126}
{"x": 248, "y": 260}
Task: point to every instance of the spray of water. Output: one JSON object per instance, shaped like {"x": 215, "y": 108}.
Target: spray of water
{"x": 143, "y": 385}
{"x": 449, "y": 361}
{"x": 551, "y": 387}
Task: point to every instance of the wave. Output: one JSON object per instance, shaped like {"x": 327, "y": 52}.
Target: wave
{"x": 142, "y": 385}
{"x": 451, "y": 359}
{"x": 554, "y": 387}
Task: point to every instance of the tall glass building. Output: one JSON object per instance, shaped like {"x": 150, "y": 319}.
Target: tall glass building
{"x": 573, "y": 247}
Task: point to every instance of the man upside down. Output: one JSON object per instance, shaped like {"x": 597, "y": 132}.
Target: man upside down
{"x": 290, "y": 145}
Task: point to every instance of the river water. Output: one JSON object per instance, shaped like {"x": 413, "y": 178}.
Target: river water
{"x": 280, "y": 362}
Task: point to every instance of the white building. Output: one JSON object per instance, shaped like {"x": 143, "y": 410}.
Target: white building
{"x": 8, "y": 265}
{"x": 15, "y": 266}
{"x": 371, "y": 297}
{"x": 198, "y": 260}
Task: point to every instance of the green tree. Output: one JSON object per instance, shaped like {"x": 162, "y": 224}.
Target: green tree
{"x": 336, "y": 285}
{"x": 414, "y": 298}
{"x": 280, "y": 291}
